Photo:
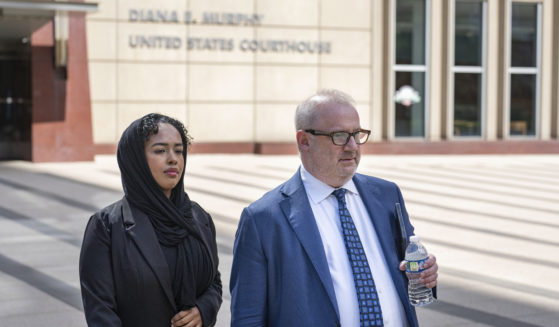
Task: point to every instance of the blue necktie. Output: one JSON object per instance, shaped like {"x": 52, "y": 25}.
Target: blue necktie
{"x": 369, "y": 306}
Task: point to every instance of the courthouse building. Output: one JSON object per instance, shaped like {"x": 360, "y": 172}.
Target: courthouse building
{"x": 428, "y": 76}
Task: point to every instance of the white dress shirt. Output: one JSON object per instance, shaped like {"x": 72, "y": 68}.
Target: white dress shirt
{"x": 325, "y": 209}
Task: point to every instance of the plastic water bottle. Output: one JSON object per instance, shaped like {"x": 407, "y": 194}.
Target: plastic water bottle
{"x": 416, "y": 255}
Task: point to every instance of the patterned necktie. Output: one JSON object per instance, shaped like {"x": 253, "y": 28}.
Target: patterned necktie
{"x": 369, "y": 306}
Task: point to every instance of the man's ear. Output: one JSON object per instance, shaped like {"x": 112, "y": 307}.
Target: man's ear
{"x": 302, "y": 140}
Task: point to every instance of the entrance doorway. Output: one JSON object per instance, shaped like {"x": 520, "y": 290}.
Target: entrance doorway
{"x": 15, "y": 101}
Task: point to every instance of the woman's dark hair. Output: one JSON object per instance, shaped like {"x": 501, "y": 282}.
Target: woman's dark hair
{"x": 149, "y": 126}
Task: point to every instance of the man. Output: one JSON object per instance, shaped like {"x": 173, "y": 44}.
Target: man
{"x": 291, "y": 265}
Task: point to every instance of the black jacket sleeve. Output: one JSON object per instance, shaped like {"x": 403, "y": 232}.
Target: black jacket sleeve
{"x": 210, "y": 301}
{"x": 96, "y": 275}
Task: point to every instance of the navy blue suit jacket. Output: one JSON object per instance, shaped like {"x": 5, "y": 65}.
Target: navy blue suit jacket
{"x": 280, "y": 274}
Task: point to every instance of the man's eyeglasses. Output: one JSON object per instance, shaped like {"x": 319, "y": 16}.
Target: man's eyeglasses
{"x": 342, "y": 138}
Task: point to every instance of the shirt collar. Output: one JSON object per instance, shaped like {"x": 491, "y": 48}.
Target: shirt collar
{"x": 318, "y": 191}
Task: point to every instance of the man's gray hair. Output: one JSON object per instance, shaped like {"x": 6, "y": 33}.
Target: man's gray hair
{"x": 306, "y": 112}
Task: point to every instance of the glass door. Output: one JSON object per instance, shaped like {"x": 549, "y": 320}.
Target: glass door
{"x": 15, "y": 104}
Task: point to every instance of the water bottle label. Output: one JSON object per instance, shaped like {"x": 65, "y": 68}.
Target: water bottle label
{"x": 415, "y": 266}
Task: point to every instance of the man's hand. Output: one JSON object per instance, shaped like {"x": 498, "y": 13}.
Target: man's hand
{"x": 428, "y": 276}
{"x": 187, "y": 318}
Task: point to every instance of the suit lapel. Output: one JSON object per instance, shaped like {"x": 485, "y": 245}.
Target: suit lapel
{"x": 139, "y": 228}
{"x": 298, "y": 212}
{"x": 370, "y": 194}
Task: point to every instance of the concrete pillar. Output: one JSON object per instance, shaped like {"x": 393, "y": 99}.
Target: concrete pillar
{"x": 434, "y": 71}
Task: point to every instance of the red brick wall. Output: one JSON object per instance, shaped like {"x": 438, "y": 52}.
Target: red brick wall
{"x": 61, "y": 111}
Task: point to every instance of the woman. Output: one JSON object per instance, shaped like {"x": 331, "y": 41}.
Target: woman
{"x": 150, "y": 259}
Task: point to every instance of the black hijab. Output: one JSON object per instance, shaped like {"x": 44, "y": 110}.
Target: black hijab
{"x": 172, "y": 220}
{"x": 192, "y": 266}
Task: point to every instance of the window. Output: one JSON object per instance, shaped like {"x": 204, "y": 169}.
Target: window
{"x": 410, "y": 68}
{"x": 469, "y": 67}
{"x": 524, "y": 69}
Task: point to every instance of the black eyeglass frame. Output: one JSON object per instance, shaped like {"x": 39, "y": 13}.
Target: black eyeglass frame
{"x": 331, "y": 135}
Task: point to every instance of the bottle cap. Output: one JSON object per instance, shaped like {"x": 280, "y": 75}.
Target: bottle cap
{"x": 415, "y": 239}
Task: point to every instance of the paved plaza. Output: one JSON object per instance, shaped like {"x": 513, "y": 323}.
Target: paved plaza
{"x": 492, "y": 222}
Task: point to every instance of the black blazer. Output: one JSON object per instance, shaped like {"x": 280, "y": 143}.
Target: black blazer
{"x": 124, "y": 277}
